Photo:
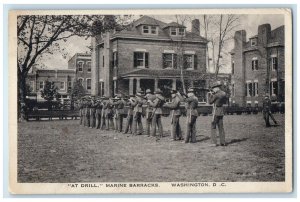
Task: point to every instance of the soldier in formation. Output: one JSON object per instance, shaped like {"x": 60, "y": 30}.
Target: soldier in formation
{"x": 267, "y": 111}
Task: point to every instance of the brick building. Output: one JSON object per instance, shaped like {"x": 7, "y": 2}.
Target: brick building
{"x": 81, "y": 63}
{"x": 62, "y": 78}
{"x": 147, "y": 54}
{"x": 258, "y": 66}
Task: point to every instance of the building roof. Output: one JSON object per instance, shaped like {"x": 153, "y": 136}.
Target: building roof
{"x": 133, "y": 31}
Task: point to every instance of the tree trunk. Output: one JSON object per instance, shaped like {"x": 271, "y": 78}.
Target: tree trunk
{"x": 22, "y": 105}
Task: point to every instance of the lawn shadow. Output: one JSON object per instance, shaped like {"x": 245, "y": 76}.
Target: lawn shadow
{"x": 202, "y": 139}
{"x": 237, "y": 140}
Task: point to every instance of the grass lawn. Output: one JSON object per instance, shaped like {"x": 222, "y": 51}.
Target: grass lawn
{"x": 63, "y": 151}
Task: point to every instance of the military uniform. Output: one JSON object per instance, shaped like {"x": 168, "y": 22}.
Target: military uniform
{"x": 93, "y": 114}
{"x": 98, "y": 114}
{"x": 109, "y": 114}
{"x": 192, "y": 114}
{"x": 175, "y": 116}
{"x": 217, "y": 99}
{"x": 87, "y": 113}
{"x": 80, "y": 106}
{"x": 137, "y": 115}
{"x": 103, "y": 118}
{"x": 149, "y": 110}
{"x": 267, "y": 111}
{"x": 129, "y": 115}
{"x": 157, "y": 105}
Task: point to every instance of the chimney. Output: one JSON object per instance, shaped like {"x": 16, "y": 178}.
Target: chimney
{"x": 196, "y": 27}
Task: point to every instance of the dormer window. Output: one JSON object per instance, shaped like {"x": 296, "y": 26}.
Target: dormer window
{"x": 149, "y": 29}
{"x": 177, "y": 31}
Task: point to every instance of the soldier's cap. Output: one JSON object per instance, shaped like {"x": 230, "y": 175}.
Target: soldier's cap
{"x": 191, "y": 90}
{"x": 148, "y": 91}
{"x": 158, "y": 91}
{"x": 267, "y": 95}
{"x": 216, "y": 84}
{"x": 173, "y": 91}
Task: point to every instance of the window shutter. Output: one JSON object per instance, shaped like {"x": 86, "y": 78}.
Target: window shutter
{"x": 147, "y": 60}
{"x": 195, "y": 62}
{"x": 252, "y": 65}
{"x": 134, "y": 59}
{"x": 163, "y": 61}
{"x": 175, "y": 61}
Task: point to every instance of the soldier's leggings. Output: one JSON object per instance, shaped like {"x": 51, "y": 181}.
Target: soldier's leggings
{"x": 137, "y": 122}
{"x": 80, "y": 115}
{"x": 156, "y": 121}
{"x": 175, "y": 128}
{"x": 128, "y": 126}
{"x": 98, "y": 120}
{"x": 102, "y": 124}
{"x": 191, "y": 130}
{"x": 267, "y": 115}
{"x": 218, "y": 121}
{"x": 120, "y": 123}
{"x": 148, "y": 123}
{"x": 92, "y": 119}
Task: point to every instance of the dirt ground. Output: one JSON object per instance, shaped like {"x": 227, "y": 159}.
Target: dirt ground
{"x": 63, "y": 151}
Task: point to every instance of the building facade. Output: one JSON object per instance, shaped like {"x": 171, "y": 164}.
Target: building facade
{"x": 148, "y": 54}
{"x": 258, "y": 66}
{"x": 81, "y": 63}
{"x": 63, "y": 79}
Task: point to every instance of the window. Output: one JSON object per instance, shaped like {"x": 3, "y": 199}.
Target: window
{"x": 141, "y": 59}
{"x": 255, "y": 88}
{"x": 89, "y": 66}
{"x": 69, "y": 85}
{"x": 88, "y": 84}
{"x": 153, "y": 30}
{"x": 232, "y": 67}
{"x": 115, "y": 59}
{"x": 80, "y": 66}
{"x": 103, "y": 61}
{"x": 273, "y": 87}
{"x": 254, "y": 64}
{"x": 274, "y": 63}
{"x": 62, "y": 85}
{"x": 169, "y": 60}
{"x": 31, "y": 85}
{"x": 253, "y": 41}
{"x": 188, "y": 61}
{"x": 251, "y": 88}
{"x": 41, "y": 84}
{"x": 145, "y": 29}
{"x": 80, "y": 81}
{"x": 233, "y": 90}
{"x": 177, "y": 31}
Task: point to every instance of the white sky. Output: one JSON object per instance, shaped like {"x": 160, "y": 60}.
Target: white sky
{"x": 249, "y": 23}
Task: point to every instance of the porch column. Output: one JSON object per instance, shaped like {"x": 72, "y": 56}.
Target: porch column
{"x": 137, "y": 84}
{"x": 155, "y": 84}
{"x": 174, "y": 84}
{"x": 130, "y": 86}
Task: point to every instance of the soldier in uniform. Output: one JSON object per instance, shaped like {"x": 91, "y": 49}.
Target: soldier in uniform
{"x": 93, "y": 113}
{"x": 192, "y": 114}
{"x": 267, "y": 111}
{"x": 98, "y": 113}
{"x": 80, "y": 111}
{"x": 119, "y": 105}
{"x": 104, "y": 107}
{"x": 176, "y": 113}
{"x": 157, "y": 105}
{"x": 130, "y": 103}
{"x": 217, "y": 98}
{"x": 109, "y": 116}
{"x": 149, "y": 110}
{"x": 87, "y": 112}
{"x": 137, "y": 114}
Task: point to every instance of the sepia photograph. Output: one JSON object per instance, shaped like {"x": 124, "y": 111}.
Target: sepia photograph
{"x": 150, "y": 101}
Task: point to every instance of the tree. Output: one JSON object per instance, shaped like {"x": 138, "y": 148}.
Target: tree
{"x": 49, "y": 92}
{"x": 77, "y": 92}
{"x": 42, "y": 34}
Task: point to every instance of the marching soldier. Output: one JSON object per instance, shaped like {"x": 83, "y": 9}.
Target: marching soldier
{"x": 267, "y": 111}
{"x": 98, "y": 113}
{"x": 128, "y": 126}
{"x": 157, "y": 112}
{"x": 109, "y": 116}
{"x": 217, "y": 98}
{"x": 93, "y": 113}
{"x": 137, "y": 114}
{"x": 192, "y": 114}
{"x": 104, "y": 107}
{"x": 119, "y": 105}
{"x": 149, "y": 110}
{"x": 176, "y": 113}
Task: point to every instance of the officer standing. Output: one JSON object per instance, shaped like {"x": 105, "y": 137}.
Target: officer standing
{"x": 128, "y": 126}
{"x": 176, "y": 113}
{"x": 157, "y": 105}
{"x": 192, "y": 114}
{"x": 149, "y": 96}
{"x": 137, "y": 114}
{"x": 217, "y": 98}
{"x": 267, "y": 111}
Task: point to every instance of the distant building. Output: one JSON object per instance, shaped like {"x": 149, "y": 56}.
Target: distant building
{"x": 62, "y": 78}
{"x": 81, "y": 63}
{"x": 146, "y": 55}
{"x": 258, "y": 66}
